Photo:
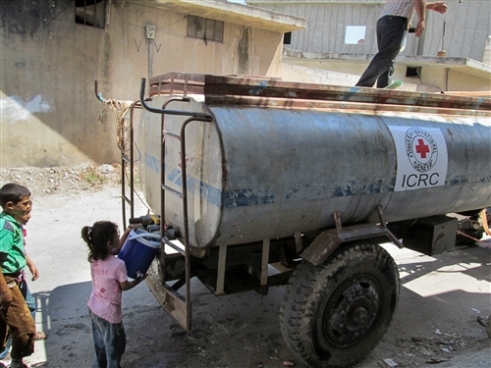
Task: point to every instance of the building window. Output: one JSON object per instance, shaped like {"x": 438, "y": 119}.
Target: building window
{"x": 206, "y": 29}
{"x": 355, "y": 35}
{"x": 91, "y": 12}
{"x": 413, "y": 71}
{"x": 287, "y": 38}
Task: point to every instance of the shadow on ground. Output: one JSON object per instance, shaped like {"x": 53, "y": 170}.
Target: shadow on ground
{"x": 438, "y": 293}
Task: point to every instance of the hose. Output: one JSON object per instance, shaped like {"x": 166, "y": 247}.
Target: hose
{"x": 484, "y": 219}
{"x": 120, "y": 109}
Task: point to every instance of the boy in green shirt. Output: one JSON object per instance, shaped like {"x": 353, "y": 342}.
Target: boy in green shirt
{"x": 15, "y": 317}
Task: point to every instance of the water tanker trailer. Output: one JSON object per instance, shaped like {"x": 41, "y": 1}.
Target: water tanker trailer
{"x": 250, "y": 175}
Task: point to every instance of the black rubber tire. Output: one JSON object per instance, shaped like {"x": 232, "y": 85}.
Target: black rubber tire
{"x": 335, "y": 314}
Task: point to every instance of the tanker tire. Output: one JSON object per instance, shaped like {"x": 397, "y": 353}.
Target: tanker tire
{"x": 358, "y": 277}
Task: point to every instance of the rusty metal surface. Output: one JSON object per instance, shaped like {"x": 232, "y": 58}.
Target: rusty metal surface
{"x": 327, "y": 241}
{"x": 177, "y": 83}
{"x": 333, "y": 106}
{"x": 268, "y": 92}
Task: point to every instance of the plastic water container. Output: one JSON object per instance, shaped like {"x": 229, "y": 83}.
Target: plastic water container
{"x": 138, "y": 251}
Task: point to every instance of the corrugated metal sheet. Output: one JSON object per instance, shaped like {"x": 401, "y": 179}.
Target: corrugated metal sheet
{"x": 468, "y": 25}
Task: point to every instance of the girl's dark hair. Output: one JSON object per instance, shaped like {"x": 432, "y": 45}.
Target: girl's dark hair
{"x": 97, "y": 236}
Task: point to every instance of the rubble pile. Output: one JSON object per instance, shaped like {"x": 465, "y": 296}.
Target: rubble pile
{"x": 54, "y": 180}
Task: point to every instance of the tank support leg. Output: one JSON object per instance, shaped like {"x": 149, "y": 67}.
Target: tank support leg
{"x": 387, "y": 232}
{"x": 298, "y": 242}
{"x": 222, "y": 263}
{"x": 264, "y": 267}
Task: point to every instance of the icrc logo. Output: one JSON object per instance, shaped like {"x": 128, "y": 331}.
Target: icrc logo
{"x": 422, "y": 157}
{"x": 421, "y": 149}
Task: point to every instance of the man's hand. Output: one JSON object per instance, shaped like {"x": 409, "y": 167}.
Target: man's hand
{"x": 439, "y": 7}
{"x": 420, "y": 27}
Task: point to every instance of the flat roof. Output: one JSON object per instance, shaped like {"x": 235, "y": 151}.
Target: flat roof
{"x": 461, "y": 64}
{"x": 231, "y": 13}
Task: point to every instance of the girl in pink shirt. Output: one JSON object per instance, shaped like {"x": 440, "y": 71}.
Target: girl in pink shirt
{"x": 109, "y": 279}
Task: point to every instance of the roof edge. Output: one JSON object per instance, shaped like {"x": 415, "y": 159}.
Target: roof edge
{"x": 230, "y": 13}
{"x": 446, "y": 61}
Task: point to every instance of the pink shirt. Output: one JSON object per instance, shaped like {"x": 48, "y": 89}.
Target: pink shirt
{"x": 105, "y": 299}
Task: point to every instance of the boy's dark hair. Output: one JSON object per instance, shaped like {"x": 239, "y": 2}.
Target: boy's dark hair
{"x": 13, "y": 192}
{"x": 97, "y": 236}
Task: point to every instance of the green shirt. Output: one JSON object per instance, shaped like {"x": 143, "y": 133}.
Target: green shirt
{"x": 12, "y": 257}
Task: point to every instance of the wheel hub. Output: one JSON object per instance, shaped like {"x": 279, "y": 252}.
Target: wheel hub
{"x": 351, "y": 311}
{"x": 360, "y": 315}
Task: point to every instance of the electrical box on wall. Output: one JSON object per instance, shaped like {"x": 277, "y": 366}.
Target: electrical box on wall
{"x": 150, "y": 32}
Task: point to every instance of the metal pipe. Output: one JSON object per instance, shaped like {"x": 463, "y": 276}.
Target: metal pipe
{"x": 185, "y": 213}
{"x": 168, "y": 112}
{"x": 97, "y": 94}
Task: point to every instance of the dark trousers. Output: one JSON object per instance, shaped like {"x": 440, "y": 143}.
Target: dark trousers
{"x": 391, "y": 31}
{"x": 18, "y": 320}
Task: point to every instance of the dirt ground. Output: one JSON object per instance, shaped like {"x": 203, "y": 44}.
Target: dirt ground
{"x": 435, "y": 324}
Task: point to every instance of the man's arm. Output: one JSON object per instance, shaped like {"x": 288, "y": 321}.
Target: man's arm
{"x": 439, "y": 7}
{"x": 420, "y": 8}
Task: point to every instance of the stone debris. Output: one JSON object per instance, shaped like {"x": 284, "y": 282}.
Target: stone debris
{"x": 53, "y": 180}
{"x": 387, "y": 363}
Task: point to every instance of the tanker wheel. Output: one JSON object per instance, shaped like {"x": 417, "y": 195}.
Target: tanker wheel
{"x": 333, "y": 315}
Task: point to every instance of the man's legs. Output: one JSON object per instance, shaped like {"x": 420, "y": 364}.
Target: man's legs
{"x": 391, "y": 31}
{"x": 385, "y": 78}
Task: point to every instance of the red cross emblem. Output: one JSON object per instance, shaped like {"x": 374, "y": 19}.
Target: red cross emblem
{"x": 422, "y": 148}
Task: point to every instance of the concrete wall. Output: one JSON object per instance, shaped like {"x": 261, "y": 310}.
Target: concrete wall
{"x": 446, "y": 79}
{"x": 433, "y": 78}
{"x": 467, "y": 26}
{"x": 244, "y": 50}
{"x": 49, "y": 112}
{"x": 341, "y": 74}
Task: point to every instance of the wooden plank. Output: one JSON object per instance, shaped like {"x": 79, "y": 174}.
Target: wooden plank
{"x": 172, "y": 302}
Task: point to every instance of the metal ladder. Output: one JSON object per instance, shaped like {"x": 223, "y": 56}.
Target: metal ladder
{"x": 127, "y": 162}
{"x": 173, "y": 302}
